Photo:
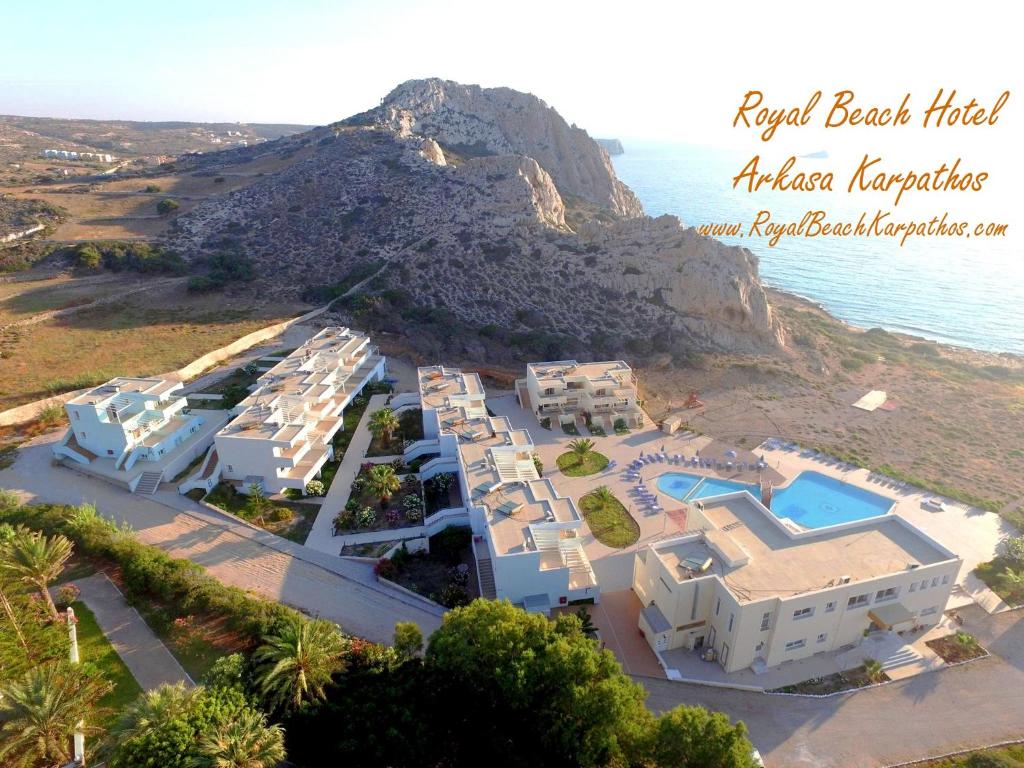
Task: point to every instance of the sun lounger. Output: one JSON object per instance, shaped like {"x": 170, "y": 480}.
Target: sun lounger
{"x": 508, "y": 507}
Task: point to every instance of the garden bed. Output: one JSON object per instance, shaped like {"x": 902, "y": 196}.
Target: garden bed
{"x": 957, "y": 647}
{"x": 290, "y": 520}
{"x": 441, "y": 492}
{"x": 849, "y": 680}
{"x": 609, "y": 520}
{"x": 363, "y": 511}
{"x": 446, "y": 575}
{"x": 410, "y": 429}
{"x": 573, "y": 465}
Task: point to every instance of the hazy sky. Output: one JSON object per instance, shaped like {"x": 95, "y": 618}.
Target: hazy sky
{"x": 669, "y": 70}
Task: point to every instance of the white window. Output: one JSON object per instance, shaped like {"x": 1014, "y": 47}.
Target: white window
{"x": 731, "y": 617}
{"x": 766, "y": 621}
{"x": 230, "y": 468}
{"x": 830, "y": 606}
{"x": 887, "y": 594}
{"x": 929, "y": 611}
{"x": 83, "y": 435}
{"x": 945, "y": 579}
{"x": 77, "y": 416}
{"x": 935, "y": 581}
{"x": 803, "y": 613}
{"x": 913, "y": 587}
{"x": 857, "y": 600}
{"x": 718, "y": 605}
{"x": 794, "y": 644}
{"x": 822, "y": 637}
{"x": 924, "y": 583}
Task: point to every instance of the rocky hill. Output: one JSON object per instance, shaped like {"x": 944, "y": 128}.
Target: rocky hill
{"x": 486, "y": 220}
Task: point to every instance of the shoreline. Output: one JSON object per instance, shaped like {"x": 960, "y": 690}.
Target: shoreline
{"x": 781, "y": 297}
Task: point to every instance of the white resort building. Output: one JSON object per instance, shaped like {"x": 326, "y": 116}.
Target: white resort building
{"x": 280, "y": 436}
{"x": 566, "y": 391}
{"x": 527, "y": 539}
{"x": 752, "y": 592}
{"x": 137, "y": 431}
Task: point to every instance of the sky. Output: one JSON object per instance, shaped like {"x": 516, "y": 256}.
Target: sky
{"x": 658, "y": 70}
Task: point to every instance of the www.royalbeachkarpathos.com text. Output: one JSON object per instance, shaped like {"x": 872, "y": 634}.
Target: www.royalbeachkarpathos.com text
{"x": 879, "y": 224}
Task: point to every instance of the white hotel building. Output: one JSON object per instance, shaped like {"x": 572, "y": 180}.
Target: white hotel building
{"x": 760, "y": 594}
{"x": 280, "y": 436}
{"x": 527, "y": 539}
{"x": 565, "y": 391}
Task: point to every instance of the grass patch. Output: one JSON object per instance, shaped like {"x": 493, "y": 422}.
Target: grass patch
{"x": 96, "y": 649}
{"x": 1000, "y": 757}
{"x": 573, "y": 465}
{"x": 993, "y": 573}
{"x": 570, "y": 428}
{"x": 609, "y": 521}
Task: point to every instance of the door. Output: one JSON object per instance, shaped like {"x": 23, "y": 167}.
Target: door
{"x": 698, "y": 642}
{"x": 725, "y": 654}
{"x": 711, "y": 637}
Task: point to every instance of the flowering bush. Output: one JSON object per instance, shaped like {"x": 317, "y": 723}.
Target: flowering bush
{"x": 365, "y": 517}
{"x": 413, "y": 507}
{"x": 344, "y": 520}
{"x": 67, "y": 594}
{"x": 315, "y": 488}
{"x": 459, "y": 575}
{"x": 393, "y": 516}
{"x": 385, "y": 569}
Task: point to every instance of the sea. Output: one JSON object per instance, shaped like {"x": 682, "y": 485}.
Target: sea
{"x": 959, "y": 291}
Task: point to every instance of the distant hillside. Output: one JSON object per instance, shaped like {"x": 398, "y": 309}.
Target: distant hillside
{"x": 22, "y": 138}
{"x": 611, "y": 146}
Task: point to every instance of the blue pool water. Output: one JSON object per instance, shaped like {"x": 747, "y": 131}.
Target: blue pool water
{"x": 812, "y": 500}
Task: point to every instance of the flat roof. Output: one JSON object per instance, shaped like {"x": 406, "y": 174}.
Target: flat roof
{"x": 125, "y": 385}
{"x": 778, "y": 565}
{"x": 438, "y": 385}
{"x": 561, "y": 369}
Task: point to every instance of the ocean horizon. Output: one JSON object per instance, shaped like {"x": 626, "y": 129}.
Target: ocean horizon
{"x": 962, "y": 292}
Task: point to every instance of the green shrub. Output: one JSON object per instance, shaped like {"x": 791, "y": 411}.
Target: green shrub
{"x": 167, "y": 206}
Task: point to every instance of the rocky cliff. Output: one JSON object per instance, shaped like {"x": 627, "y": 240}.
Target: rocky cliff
{"x": 476, "y": 248}
{"x": 474, "y": 120}
{"x": 611, "y": 146}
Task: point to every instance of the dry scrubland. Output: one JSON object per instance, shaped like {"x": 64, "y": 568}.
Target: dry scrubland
{"x": 958, "y": 419}
{"x": 143, "y": 333}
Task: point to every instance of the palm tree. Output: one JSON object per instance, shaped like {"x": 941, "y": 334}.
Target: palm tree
{"x": 245, "y": 742}
{"x": 383, "y": 482}
{"x": 603, "y": 494}
{"x": 40, "y": 712}
{"x": 873, "y": 669}
{"x": 383, "y": 424}
{"x": 582, "y": 448}
{"x": 297, "y": 662}
{"x": 35, "y": 560}
{"x": 153, "y": 708}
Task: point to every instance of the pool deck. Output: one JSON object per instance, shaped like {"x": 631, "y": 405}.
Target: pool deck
{"x": 973, "y": 534}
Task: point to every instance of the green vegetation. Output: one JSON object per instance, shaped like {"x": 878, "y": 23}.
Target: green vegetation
{"x": 297, "y": 661}
{"x": 222, "y": 268}
{"x": 608, "y": 519}
{"x": 1000, "y": 757}
{"x": 1004, "y": 575}
{"x": 290, "y": 520}
{"x": 581, "y": 459}
{"x": 320, "y": 294}
{"x": 957, "y": 647}
{"x": 96, "y": 650}
{"x": 167, "y": 206}
{"x": 125, "y": 257}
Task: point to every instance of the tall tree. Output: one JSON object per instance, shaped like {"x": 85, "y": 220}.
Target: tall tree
{"x": 245, "y": 742}
{"x": 40, "y": 712}
{"x": 35, "y": 560}
{"x": 692, "y": 737}
{"x": 297, "y": 661}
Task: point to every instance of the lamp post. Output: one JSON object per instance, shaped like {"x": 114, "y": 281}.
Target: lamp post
{"x": 79, "y": 736}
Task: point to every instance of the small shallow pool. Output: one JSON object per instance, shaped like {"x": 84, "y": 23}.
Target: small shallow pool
{"x": 812, "y": 500}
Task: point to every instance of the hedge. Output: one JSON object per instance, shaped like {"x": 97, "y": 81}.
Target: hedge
{"x": 148, "y": 572}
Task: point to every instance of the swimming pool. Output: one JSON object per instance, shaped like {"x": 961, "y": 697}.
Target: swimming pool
{"x": 686, "y": 487}
{"x": 812, "y": 500}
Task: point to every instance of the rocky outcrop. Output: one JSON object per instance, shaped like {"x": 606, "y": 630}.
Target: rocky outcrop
{"x": 611, "y": 146}
{"x": 474, "y": 237}
{"x": 470, "y": 120}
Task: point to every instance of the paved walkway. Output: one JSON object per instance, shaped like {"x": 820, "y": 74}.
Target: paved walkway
{"x": 146, "y": 657}
{"x": 930, "y": 714}
{"x": 321, "y": 535}
{"x": 341, "y": 590}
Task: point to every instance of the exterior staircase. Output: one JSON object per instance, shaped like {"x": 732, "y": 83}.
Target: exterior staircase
{"x": 485, "y": 571}
{"x": 148, "y": 483}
